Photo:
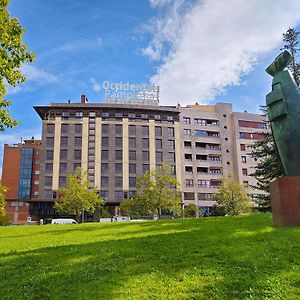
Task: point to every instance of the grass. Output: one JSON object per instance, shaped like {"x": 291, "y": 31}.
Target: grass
{"x": 213, "y": 258}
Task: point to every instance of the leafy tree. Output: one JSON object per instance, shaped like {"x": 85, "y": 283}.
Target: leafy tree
{"x": 290, "y": 39}
{"x": 233, "y": 197}
{"x": 190, "y": 210}
{"x": 3, "y": 190}
{"x": 78, "y": 197}
{"x": 13, "y": 52}
{"x": 156, "y": 191}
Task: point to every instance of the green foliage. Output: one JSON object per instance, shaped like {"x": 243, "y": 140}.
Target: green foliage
{"x": 233, "y": 197}
{"x": 241, "y": 257}
{"x": 13, "y": 52}
{"x": 105, "y": 213}
{"x": 190, "y": 211}
{"x": 268, "y": 166}
{"x": 290, "y": 39}
{"x": 156, "y": 191}
{"x": 3, "y": 190}
{"x": 78, "y": 197}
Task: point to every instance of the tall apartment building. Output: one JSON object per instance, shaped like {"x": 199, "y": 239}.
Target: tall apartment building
{"x": 20, "y": 173}
{"x": 116, "y": 143}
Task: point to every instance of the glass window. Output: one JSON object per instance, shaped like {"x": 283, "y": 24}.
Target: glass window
{"x": 76, "y": 165}
{"x": 50, "y": 128}
{"x": 78, "y": 128}
{"x": 48, "y": 180}
{"x": 104, "y": 195}
{"x": 63, "y": 167}
{"x": 189, "y": 182}
{"x": 118, "y": 142}
{"x": 132, "y": 168}
{"x": 145, "y": 143}
{"x": 104, "y": 141}
{"x": 91, "y": 144}
{"x": 132, "y": 155}
{"x": 171, "y": 144}
{"x": 186, "y": 120}
{"x": 132, "y": 143}
{"x": 118, "y": 129}
{"x": 158, "y": 131}
{"x": 64, "y": 128}
{"x": 170, "y": 131}
{"x": 104, "y": 167}
{"x": 77, "y": 154}
{"x": 132, "y": 182}
{"x": 158, "y": 144}
{"x": 201, "y": 133}
{"x": 78, "y": 115}
{"x": 78, "y": 141}
{"x": 132, "y": 129}
{"x": 146, "y": 168}
{"x": 157, "y": 117}
{"x": 91, "y": 138}
{"x": 104, "y": 154}
{"x": 118, "y": 115}
{"x": 118, "y": 181}
{"x": 145, "y": 116}
{"x": 62, "y": 181}
{"x": 105, "y": 115}
{"x": 118, "y": 168}
{"x": 91, "y": 131}
{"x": 243, "y": 147}
{"x": 92, "y": 114}
{"x": 104, "y": 181}
{"x": 145, "y": 155}
{"x": 49, "y": 154}
{"x": 187, "y": 131}
{"x": 244, "y": 159}
{"x": 105, "y": 128}
{"x": 159, "y": 156}
{"x": 65, "y": 115}
{"x": 170, "y": 118}
{"x": 50, "y": 142}
{"x": 64, "y": 141}
{"x": 242, "y": 135}
{"x": 131, "y": 115}
{"x": 244, "y": 171}
{"x": 171, "y": 157}
{"x": 118, "y": 195}
{"x": 200, "y": 122}
{"x": 48, "y": 167}
{"x": 119, "y": 155}
{"x": 63, "y": 154}
{"x": 145, "y": 130}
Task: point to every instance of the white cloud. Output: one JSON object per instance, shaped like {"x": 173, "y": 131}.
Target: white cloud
{"x": 95, "y": 85}
{"x": 34, "y": 74}
{"x": 205, "y": 46}
{"x": 80, "y": 45}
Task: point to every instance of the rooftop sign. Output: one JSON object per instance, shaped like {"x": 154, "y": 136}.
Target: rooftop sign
{"x": 128, "y": 93}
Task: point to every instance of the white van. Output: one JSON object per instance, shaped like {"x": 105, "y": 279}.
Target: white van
{"x": 63, "y": 221}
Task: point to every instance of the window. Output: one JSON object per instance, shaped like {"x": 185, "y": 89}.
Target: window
{"x": 214, "y": 158}
{"x": 244, "y": 159}
{"x": 158, "y": 131}
{"x": 201, "y": 133}
{"x": 243, "y": 147}
{"x": 186, "y": 120}
{"x": 48, "y": 167}
{"x": 50, "y": 142}
{"x": 48, "y": 181}
{"x": 76, "y": 165}
{"x": 64, "y": 141}
{"x": 145, "y": 143}
{"x": 62, "y": 181}
{"x": 205, "y": 196}
{"x": 132, "y": 155}
{"x": 91, "y": 144}
{"x": 187, "y": 131}
{"x": 188, "y": 156}
{"x": 158, "y": 144}
{"x": 50, "y": 128}
{"x": 187, "y": 144}
{"x": 91, "y": 157}
{"x": 118, "y": 142}
{"x": 104, "y": 168}
{"x": 244, "y": 171}
{"x": 105, "y": 115}
{"x": 78, "y": 141}
{"x": 77, "y": 154}
{"x": 104, "y": 154}
{"x": 36, "y": 172}
{"x": 188, "y": 169}
{"x": 132, "y": 168}
{"x": 145, "y": 130}
{"x": 170, "y": 118}
{"x": 104, "y": 195}
{"x": 145, "y": 155}
{"x": 118, "y": 168}
{"x": 173, "y": 169}
{"x": 104, "y": 181}
{"x": 132, "y": 182}
{"x": 118, "y": 181}
{"x": 171, "y": 144}
{"x": 91, "y": 131}
{"x": 63, "y": 167}
{"x": 63, "y": 154}
{"x": 91, "y": 138}
{"x": 200, "y": 122}
{"x": 159, "y": 156}
{"x": 242, "y": 135}
{"x": 132, "y": 129}
{"x": 146, "y": 168}
{"x": 157, "y": 117}
{"x": 189, "y": 196}
{"x": 104, "y": 141}
{"x": 118, "y": 115}
{"x": 246, "y": 183}
{"x": 105, "y": 128}
{"x": 171, "y": 156}
{"x": 170, "y": 131}
{"x": 64, "y": 128}
{"x": 118, "y": 129}
{"x": 65, "y": 115}
{"x": 132, "y": 143}
{"x": 35, "y": 193}
{"x": 189, "y": 182}
{"x": 215, "y": 171}
{"x": 145, "y": 116}
{"x": 119, "y": 155}
{"x": 131, "y": 115}
{"x": 203, "y": 183}
{"x": 92, "y": 114}
{"x": 91, "y": 164}
{"x": 78, "y": 129}
{"x": 78, "y": 115}
{"x": 118, "y": 195}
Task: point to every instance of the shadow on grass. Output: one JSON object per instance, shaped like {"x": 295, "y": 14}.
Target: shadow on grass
{"x": 222, "y": 259}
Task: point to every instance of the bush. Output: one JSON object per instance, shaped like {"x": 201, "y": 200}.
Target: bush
{"x": 4, "y": 220}
{"x": 190, "y": 211}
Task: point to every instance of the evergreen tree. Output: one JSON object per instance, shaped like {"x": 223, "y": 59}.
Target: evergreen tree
{"x": 290, "y": 39}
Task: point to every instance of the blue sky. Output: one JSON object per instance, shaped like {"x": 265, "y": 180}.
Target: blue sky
{"x": 196, "y": 50}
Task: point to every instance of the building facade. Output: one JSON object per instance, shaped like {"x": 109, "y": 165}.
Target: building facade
{"x": 117, "y": 143}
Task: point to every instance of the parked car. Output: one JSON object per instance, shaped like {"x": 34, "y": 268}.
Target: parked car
{"x": 63, "y": 221}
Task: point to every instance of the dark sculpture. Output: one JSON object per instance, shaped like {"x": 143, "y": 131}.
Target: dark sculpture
{"x": 283, "y": 106}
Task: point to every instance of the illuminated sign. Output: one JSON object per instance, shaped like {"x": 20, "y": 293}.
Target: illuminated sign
{"x": 128, "y": 93}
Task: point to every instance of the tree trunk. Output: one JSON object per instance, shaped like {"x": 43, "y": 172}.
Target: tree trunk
{"x": 78, "y": 217}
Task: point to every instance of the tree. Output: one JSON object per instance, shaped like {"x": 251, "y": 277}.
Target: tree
{"x": 232, "y": 197}
{"x": 3, "y": 190}
{"x": 156, "y": 191}
{"x": 78, "y": 196}
{"x": 190, "y": 211}
{"x": 290, "y": 39}
{"x": 13, "y": 52}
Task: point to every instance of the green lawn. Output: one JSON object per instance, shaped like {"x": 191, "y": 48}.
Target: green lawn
{"x": 211, "y": 258}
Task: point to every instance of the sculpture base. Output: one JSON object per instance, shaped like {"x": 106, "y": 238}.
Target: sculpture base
{"x": 285, "y": 200}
